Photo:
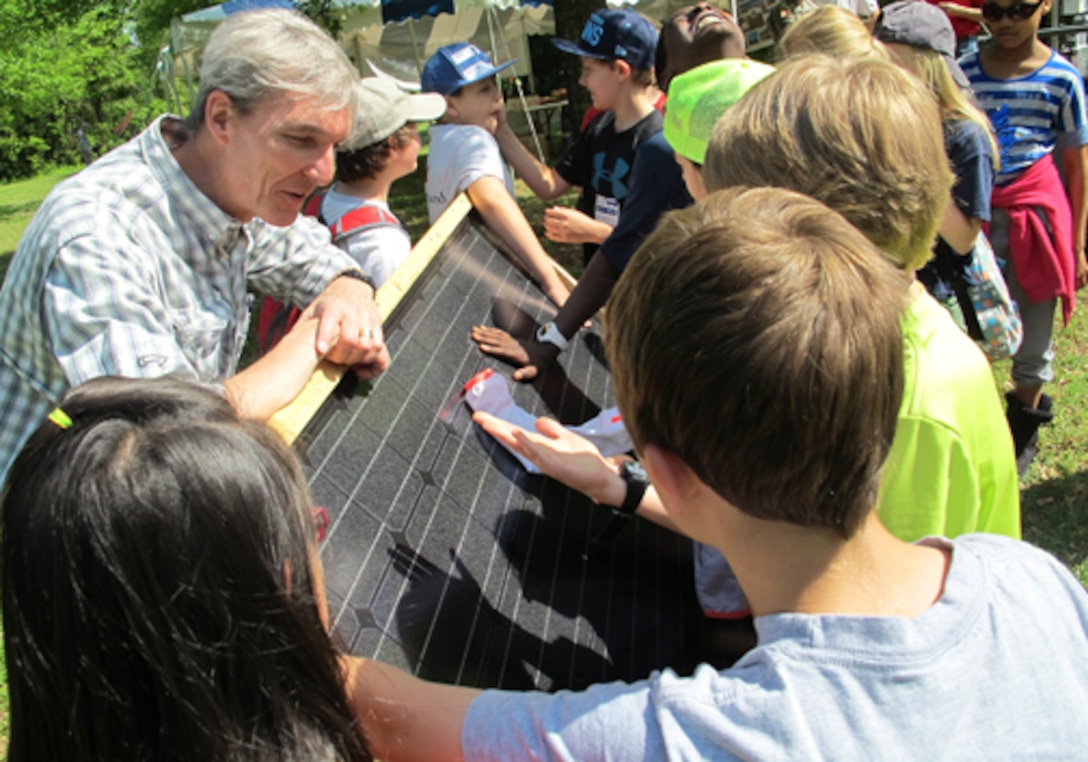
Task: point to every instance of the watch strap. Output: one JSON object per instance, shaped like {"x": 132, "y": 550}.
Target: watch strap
{"x": 549, "y": 333}
{"x": 636, "y": 488}
{"x": 635, "y": 479}
{"x": 358, "y": 275}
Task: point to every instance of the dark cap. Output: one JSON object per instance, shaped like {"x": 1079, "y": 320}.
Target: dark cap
{"x": 615, "y": 35}
{"x": 920, "y": 25}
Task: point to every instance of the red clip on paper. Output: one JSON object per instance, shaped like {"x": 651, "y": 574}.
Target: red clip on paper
{"x": 446, "y": 413}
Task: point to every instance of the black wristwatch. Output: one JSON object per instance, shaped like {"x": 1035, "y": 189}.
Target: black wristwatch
{"x": 358, "y": 275}
{"x": 634, "y": 476}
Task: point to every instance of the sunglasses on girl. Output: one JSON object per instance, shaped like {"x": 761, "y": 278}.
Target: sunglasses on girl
{"x": 1017, "y": 12}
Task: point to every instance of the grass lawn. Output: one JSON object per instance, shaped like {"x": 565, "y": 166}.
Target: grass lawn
{"x": 1054, "y": 492}
{"x": 17, "y": 204}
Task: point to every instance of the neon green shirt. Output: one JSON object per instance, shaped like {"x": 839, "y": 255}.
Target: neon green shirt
{"x": 951, "y": 469}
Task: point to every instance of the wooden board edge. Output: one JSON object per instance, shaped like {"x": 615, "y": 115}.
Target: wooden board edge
{"x": 289, "y": 421}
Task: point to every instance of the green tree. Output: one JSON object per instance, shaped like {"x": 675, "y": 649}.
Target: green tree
{"x": 151, "y": 23}
{"x": 64, "y": 65}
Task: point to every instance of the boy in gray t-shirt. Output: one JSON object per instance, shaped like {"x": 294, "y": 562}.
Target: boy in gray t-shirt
{"x": 758, "y": 362}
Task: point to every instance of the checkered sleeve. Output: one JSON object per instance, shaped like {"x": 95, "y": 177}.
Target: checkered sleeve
{"x": 296, "y": 263}
{"x": 104, "y": 314}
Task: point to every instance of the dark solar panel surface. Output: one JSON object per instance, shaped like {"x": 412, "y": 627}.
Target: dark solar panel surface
{"x": 444, "y": 557}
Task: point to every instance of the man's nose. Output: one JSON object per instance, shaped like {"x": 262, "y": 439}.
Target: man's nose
{"x": 323, "y": 170}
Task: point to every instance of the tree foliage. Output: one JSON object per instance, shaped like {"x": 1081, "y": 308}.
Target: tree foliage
{"x": 87, "y": 67}
{"x": 151, "y": 23}
{"x": 66, "y": 65}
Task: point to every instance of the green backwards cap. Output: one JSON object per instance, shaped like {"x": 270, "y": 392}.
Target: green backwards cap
{"x": 699, "y": 96}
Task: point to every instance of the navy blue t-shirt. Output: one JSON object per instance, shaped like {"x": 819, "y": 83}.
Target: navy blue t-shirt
{"x": 657, "y": 185}
{"x": 601, "y": 163}
{"x": 971, "y": 155}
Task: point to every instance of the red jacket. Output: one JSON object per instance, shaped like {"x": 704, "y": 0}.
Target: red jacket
{"x": 1044, "y": 261}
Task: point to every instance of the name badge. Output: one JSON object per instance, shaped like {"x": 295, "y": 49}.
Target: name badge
{"x": 607, "y": 210}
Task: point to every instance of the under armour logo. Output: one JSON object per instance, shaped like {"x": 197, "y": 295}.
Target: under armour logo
{"x": 614, "y": 176}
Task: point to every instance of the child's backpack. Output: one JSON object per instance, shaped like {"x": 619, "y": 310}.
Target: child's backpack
{"x": 277, "y": 318}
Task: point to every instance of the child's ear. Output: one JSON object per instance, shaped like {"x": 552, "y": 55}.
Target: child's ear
{"x": 623, "y": 70}
{"x": 451, "y": 108}
{"x": 675, "y": 482}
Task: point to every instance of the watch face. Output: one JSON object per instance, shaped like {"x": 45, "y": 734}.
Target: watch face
{"x": 632, "y": 470}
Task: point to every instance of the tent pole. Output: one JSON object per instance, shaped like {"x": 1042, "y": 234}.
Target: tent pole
{"x": 415, "y": 47}
{"x": 517, "y": 80}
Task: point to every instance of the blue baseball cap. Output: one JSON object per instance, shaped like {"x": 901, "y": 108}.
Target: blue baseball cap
{"x": 615, "y": 35}
{"x": 454, "y": 66}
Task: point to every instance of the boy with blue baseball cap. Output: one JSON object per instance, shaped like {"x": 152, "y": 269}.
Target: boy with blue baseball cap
{"x": 465, "y": 157}
{"x": 617, "y": 52}
{"x": 694, "y": 35}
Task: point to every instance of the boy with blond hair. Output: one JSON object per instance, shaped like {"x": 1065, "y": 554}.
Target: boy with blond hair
{"x": 952, "y": 468}
{"x": 465, "y": 157}
{"x": 803, "y": 361}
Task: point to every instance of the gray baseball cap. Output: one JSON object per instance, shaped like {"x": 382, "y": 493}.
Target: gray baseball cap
{"x": 382, "y": 108}
{"x": 921, "y": 25}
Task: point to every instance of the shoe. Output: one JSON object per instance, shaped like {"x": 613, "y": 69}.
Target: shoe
{"x": 1024, "y": 422}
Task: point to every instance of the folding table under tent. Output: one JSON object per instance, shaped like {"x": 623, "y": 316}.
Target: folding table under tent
{"x": 446, "y": 558}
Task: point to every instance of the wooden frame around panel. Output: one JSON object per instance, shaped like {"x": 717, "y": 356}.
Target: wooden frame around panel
{"x": 292, "y": 419}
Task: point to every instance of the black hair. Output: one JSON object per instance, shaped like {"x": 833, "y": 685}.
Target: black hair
{"x": 157, "y": 587}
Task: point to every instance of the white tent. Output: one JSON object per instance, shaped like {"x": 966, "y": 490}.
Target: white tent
{"x": 400, "y": 47}
{"x": 502, "y": 27}
{"x": 396, "y": 48}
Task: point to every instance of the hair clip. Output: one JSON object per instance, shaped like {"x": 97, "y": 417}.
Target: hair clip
{"x": 321, "y": 523}
{"x": 60, "y": 418}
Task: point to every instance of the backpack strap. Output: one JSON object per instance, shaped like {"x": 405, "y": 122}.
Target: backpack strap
{"x": 312, "y": 207}
{"x": 366, "y": 216}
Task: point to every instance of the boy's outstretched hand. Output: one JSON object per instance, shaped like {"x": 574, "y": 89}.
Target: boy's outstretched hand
{"x": 528, "y": 357}
{"x": 561, "y": 454}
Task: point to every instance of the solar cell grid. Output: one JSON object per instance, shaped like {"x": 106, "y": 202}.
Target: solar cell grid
{"x": 445, "y": 557}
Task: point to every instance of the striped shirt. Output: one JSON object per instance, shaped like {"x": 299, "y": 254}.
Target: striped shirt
{"x": 1033, "y": 114}
{"x": 128, "y": 269}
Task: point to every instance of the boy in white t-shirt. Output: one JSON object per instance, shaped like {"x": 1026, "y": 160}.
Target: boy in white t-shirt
{"x": 465, "y": 157}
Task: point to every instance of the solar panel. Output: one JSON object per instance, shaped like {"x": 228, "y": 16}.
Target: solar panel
{"x": 443, "y": 556}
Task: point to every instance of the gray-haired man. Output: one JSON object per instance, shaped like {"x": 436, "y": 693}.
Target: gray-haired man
{"x": 140, "y": 265}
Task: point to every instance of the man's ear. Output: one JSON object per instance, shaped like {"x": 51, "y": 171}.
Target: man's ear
{"x": 675, "y": 482}
{"x": 218, "y": 115}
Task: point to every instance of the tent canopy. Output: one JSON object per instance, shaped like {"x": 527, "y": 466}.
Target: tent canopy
{"x": 396, "y": 36}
